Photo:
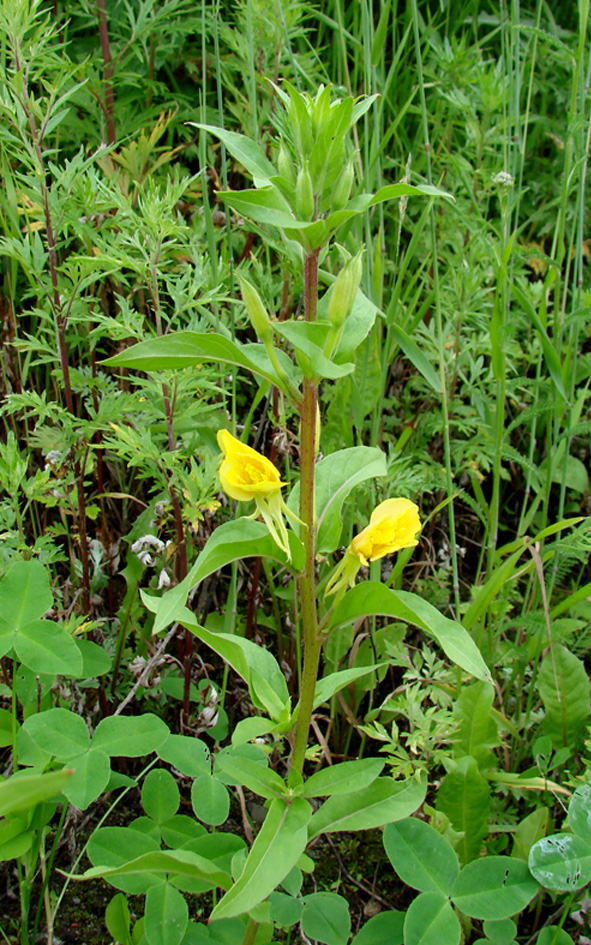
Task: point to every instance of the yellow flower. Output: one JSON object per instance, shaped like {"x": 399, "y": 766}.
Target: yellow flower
{"x": 392, "y": 526}
{"x": 246, "y": 475}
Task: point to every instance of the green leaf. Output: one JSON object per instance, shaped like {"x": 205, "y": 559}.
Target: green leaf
{"x": 112, "y": 848}
{"x": 266, "y": 206}
{"x": 392, "y": 191}
{"x": 343, "y": 778}
{"x": 335, "y": 477}
{"x": 244, "y": 150}
{"x": 6, "y": 727}
{"x": 553, "y": 935}
{"x": 383, "y": 802}
{"x": 45, "y": 647}
{"x": 188, "y": 755}
{"x": 95, "y": 660}
{"x": 464, "y": 797}
{"x": 185, "y": 349}
{"x": 579, "y": 812}
{"x": 421, "y": 856}
{"x": 130, "y": 736}
{"x": 60, "y": 732}
{"x": 210, "y": 799}
{"x": 182, "y": 831}
{"x": 25, "y": 594}
{"x": 328, "y": 685}
{"x": 529, "y": 830}
{"x": 416, "y": 357}
{"x": 285, "y": 910}
{"x": 494, "y": 887}
{"x": 326, "y": 918}
{"x": 231, "y": 541}
{"x": 23, "y": 793}
{"x": 140, "y": 872}
{"x": 277, "y": 848}
{"x": 561, "y": 862}
{"x": 166, "y": 915}
{"x": 500, "y": 931}
{"x": 92, "y": 771}
{"x": 256, "y": 777}
{"x": 357, "y": 327}
{"x": 15, "y": 837}
{"x": 430, "y": 920}
{"x": 308, "y": 339}
{"x": 257, "y": 666}
{"x": 118, "y": 919}
{"x": 160, "y": 795}
{"x": 385, "y": 928}
{"x": 477, "y": 732}
{"x": 550, "y": 355}
{"x": 564, "y": 687}
{"x": 372, "y": 598}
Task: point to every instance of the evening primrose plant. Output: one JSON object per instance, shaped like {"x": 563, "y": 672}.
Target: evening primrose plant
{"x": 302, "y": 197}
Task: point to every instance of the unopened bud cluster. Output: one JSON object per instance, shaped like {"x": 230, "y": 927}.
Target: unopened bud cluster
{"x": 315, "y": 159}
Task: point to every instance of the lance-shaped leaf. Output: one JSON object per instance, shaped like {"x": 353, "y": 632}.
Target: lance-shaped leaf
{"x": 256, "y": 777}
{"x": 231, "y": 541}
{"x": 416, "y": 356}
{"x": 328, "y": 685}
{"x": 244, "y": 150}
{"x": 371, "y": 598}
{"x": 175, "y": 862}
{"x": 335, "y": 476}
{"x": 185, "y": 349}
{"x": 381, "y": 803}
{"x": 277, "y": 848}
{"x": 344, "y": 778}
{"x": 266, "y": 205}
{"x": 258, "y": 667}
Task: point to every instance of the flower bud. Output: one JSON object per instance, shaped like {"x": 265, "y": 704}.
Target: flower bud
{"x": 285, "y": 165}
{"x": 344, "y": 291}
{"x": 342, "y": 188}
{"x": 304, "y": 194}
{"x": 257, "y": 312}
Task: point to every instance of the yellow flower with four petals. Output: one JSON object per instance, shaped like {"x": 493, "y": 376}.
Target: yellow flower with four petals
{"x": 246, "y": 475}
{"x": 393, "y": 525}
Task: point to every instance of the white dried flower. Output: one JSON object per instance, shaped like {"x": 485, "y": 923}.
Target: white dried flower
{"x": 503, "y": 179}
{"x": 141, "y": 546}
{"x": 163, "y": 579}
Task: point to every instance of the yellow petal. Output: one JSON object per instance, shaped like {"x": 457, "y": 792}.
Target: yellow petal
{"x": 392, "y": 526}
{"x": 244, "y": 473}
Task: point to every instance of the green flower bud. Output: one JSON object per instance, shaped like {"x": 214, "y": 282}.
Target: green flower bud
{"x": 342, "y": 187}
{"x": 344, "y": 291}
{"x": 304, "y": 194}
{"x": 256, "y": 311}
{"x": 285, "y": 164}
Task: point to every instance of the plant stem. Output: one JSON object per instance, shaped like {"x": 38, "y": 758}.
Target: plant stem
{"x": 108, "y": 70}
{"x": 307, "y": 581}
{"x": 250, "y": 933}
